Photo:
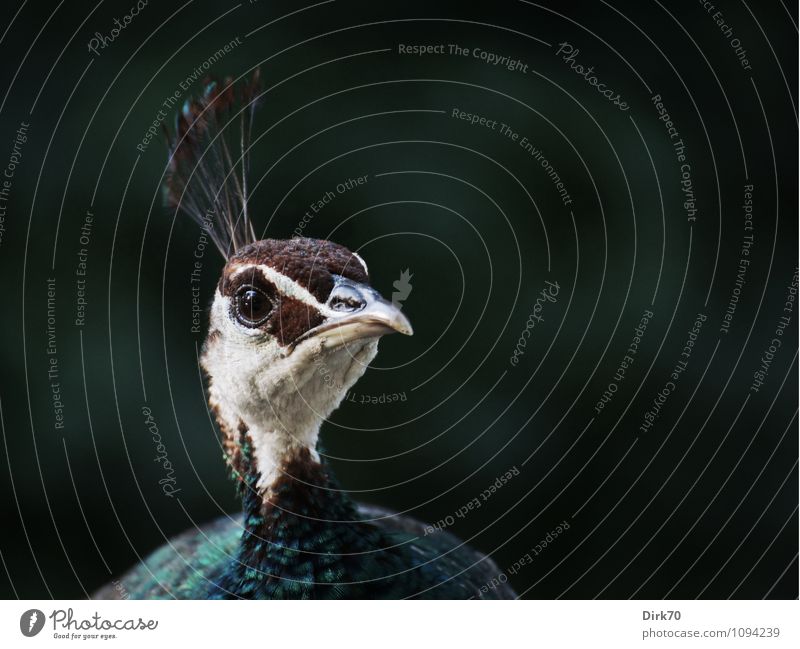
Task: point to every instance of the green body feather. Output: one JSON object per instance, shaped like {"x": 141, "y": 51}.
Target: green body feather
{"x": 311, "y": 541}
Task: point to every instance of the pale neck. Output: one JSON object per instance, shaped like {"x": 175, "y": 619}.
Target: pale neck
{"x": 274, "y": 407}
{"x": 274, "y": 448}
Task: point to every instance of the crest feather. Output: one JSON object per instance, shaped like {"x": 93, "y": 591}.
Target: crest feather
{"x": 210, "y": 158}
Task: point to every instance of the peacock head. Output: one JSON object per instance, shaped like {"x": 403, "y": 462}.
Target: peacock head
{"x": 293, "y": 325}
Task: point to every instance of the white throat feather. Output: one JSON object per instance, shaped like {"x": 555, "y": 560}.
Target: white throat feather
{"x": 281, "y": 398}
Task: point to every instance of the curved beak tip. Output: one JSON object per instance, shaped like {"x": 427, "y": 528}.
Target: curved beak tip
{"x": 376, "y": 318}
{"x": 405, "y": 327}
{"x": 393, "y": 318}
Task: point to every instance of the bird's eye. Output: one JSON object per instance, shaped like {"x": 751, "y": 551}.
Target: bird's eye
{"x": 252, "y": 306}
{"x": 346, "y": 299}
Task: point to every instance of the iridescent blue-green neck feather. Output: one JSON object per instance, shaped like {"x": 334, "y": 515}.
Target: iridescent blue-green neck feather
{"x": 306, "y": 540}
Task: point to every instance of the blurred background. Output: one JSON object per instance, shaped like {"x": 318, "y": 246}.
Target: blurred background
{"x": 98, "y": 322}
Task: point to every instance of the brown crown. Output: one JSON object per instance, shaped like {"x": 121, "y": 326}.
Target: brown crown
{"x": 309, "y": 262}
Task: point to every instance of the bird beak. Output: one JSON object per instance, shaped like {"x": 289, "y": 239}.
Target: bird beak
{"x": 364, "y": 314}
{"x": 378, "y": 315}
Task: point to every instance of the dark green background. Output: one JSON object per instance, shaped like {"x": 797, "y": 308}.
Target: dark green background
{"x": 80, "y": 505}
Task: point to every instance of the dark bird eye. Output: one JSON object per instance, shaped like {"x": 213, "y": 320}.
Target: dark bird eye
{"x": 346, "y": 304}
{"x": 346, "y": 299}
{"x": 252, "y": 306}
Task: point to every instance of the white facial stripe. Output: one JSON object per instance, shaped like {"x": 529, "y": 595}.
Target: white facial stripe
{"x": 361, "y": 261}
{"x": 290, "y": 288}
{"x": 285, "y": 285}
